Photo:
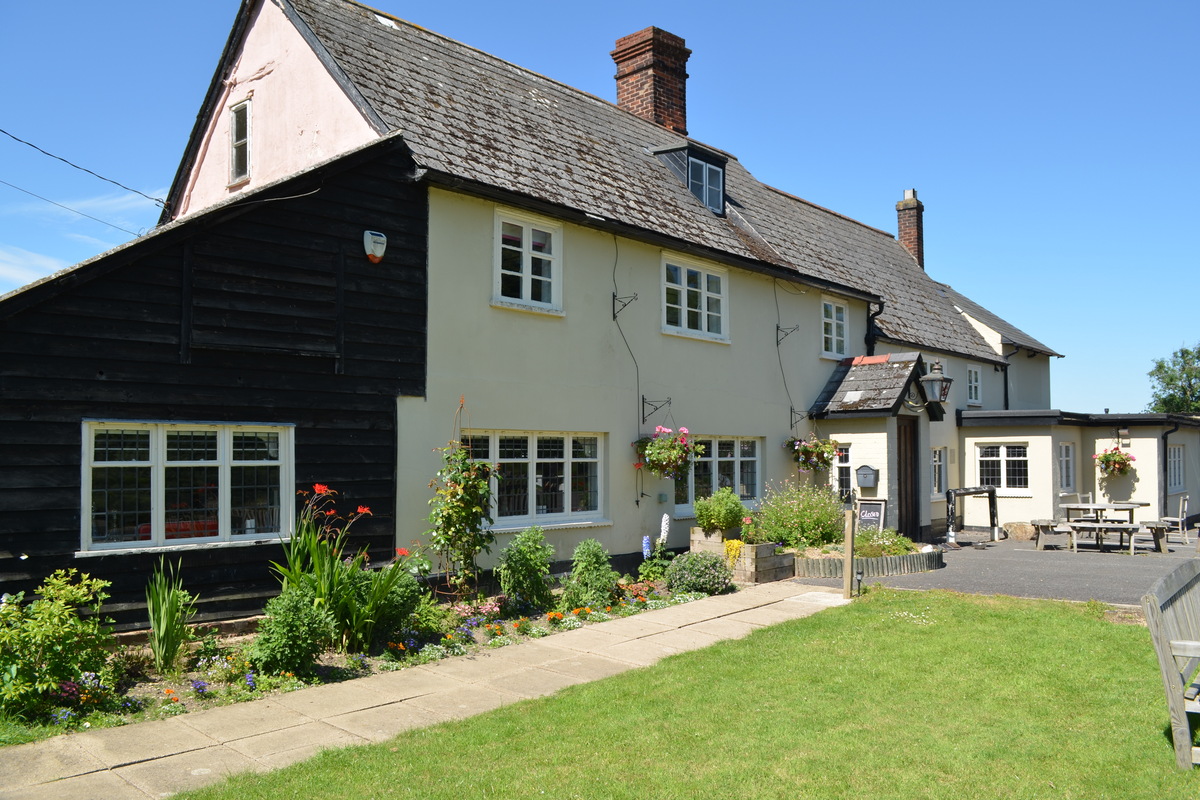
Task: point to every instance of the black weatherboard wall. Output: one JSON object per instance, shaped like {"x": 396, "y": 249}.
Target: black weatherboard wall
{"x": 265, "y": 310}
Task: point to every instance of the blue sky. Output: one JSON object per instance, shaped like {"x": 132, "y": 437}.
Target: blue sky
{"x": 1054, "y": 144}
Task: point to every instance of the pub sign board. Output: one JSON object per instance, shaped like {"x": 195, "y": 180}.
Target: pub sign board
{"x": 871, "y": 514}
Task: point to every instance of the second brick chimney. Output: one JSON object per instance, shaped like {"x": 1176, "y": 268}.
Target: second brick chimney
{"x": 652, "y": 77}
{"x": 910, "y": 225}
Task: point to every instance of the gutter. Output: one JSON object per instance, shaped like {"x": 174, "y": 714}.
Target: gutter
{"x": 1004, "y": 369}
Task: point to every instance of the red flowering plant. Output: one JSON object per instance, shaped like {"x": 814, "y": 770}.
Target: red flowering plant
{"x": 667, "y": 454}
{"x": 346, "y": 585}
{"x": 811, "y": 453}
{"x": 1114, "y": 461}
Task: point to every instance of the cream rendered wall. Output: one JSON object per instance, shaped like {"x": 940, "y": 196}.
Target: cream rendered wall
{"x": 526, "y": 371}
{"x": 1028, "y": 381}
{"x": 1013, "y": 505}
{"x": 298, "y": 115}
{"x": 1142, "y": 484}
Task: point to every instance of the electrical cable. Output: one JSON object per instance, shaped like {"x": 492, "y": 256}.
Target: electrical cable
{"x": 160, "y": 203}
{"x": 72, "y": 210}
{"x": 778, "y": 350}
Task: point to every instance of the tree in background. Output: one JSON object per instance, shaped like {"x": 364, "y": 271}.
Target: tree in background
{"x": 1175, "y": 383}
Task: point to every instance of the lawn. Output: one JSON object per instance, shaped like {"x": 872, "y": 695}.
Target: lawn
{"x": 899, "y": 695}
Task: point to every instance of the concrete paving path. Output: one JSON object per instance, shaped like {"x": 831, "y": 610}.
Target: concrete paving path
{"x": 157, "y": 759}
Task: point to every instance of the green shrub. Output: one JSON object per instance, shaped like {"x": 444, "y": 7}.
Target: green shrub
{"x": 171, "y": 608}
{"x": 293, "y": 633}
{"x": 390, "y": 611}
{"x": 699, "y": 572}
{"x": 655, "y": 565}
{"x": 719, "y": 511}
{"x": 431, "y": 620}
{"x": 593, "y": 581}
{"x": 524, "y": 570}
{"x": 48, "y": 649}
{"x": 797, "y": 516}
{"x": 873, "y": 543}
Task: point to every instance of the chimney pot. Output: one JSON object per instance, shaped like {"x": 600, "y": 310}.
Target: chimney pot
{"x": 910, "y": 225}
{"x": 652, "y": 77}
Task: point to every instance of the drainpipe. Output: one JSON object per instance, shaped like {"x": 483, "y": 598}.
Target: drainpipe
{"x": 1162, "y": 470}
{"x": 871, "y": 337}
{"x": 1004, "y": 369}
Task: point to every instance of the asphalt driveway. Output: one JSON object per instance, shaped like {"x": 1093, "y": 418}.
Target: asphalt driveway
{"x": 1015, "y": 568}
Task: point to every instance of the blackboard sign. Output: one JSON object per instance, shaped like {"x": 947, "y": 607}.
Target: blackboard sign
{"x": 871, "y": 513}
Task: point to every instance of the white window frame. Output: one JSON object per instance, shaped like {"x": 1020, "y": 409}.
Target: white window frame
{"x": 707, "y": 182}
{"x": 1175, "y": 468}
{"x": 731, "y": 451}
{"x": 1008, "y": 460}
{"x": 239, "y": 146}
{"x": 1066, "y": 467}
{"x": 553, "y": 260}
{"x": 535, "y": 514}
{"x": 835, "y": 324}
{"x": 156, "y": 462}
{"x": 937, "y": 472}
{"x": 841, "y": 476}
{"x": 974, "y": 385}
{"x": 678, "y": 294}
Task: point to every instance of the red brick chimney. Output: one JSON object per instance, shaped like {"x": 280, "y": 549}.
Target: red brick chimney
{"x": 652, "y": 77}
{"x": 910, "y": 226}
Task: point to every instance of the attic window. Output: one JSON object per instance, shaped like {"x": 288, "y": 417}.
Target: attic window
{"x": 707, "y": 182}
{"x": 239, "y": 143}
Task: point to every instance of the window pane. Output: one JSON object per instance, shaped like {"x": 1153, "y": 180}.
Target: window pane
{"x": 585, "y": 486}
{"x": 191, "y": 502}
{"x": 693, "y": 279}
{"x": 121, "y": 445}
{"x": 673, "y": 274}
{"x": 514, "y": 447}
{"x": 989, "y": 451}
{"x": 542, "y": 268}
{"x": 255, "y": 446}
{"x": 511, "y": 261}
{"x": 254, "y": 495}
{"x": 989, "y": 473}
{"x": 121, "y": 504}
{"x": 540, "y": 241}
{"x": 725, "y": 475}
{"x": 479, "y": 447}
{"x": 748, "y": 480}
{"x": 192, "y": 446}
{"x": 550, "y": 490}
{"x": 585, "y": 447}
{"x": 703, "y": 477}
{"x": 540, "y": 291}
{"x": 512, "y": 490}
{"x": 714, "y": 284}
{"x": 511, "y": 235}
{"x": 551, "y": 447}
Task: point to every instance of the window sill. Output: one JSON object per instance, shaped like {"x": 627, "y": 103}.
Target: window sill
{"x": 515, "y": 305}
{"x": 695, "y": 335}
{"x": 1025, "y": 494}
{"x": 833, "y": 356}
{"x": 173, "y": 548}
{"x": 238, "y": 184}
{"x": 516, "y": 526}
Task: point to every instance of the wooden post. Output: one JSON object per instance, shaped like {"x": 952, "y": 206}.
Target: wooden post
{"x": 848, "y": 556}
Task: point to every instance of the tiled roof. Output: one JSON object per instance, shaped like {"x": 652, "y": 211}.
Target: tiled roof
{"x": 1009, "y": 334}
{"x": 867, "y": 385}
{"x": 475, "y": 117}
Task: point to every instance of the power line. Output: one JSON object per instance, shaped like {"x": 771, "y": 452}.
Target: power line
{"x": 72, "y": 210}
{"x": 161, "y": 203}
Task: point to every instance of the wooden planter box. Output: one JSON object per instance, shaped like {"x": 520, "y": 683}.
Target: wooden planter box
{"x": 757, "y": 563}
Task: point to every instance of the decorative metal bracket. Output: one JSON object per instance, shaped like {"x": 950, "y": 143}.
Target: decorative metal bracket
{"x": 783, "y": 333}
{"x": 623, "y": 302}
{"x": 797, "y": 416}
{"x": 655, "y": 405}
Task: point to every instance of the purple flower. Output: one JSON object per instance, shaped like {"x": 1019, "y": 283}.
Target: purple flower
{"x": 645, "y": 547}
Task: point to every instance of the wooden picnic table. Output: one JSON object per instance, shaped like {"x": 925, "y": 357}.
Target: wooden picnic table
{"x": 1094, "y": 509}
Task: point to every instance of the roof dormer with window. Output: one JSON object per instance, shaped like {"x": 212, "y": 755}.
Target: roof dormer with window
{"x": 701, "y": 170}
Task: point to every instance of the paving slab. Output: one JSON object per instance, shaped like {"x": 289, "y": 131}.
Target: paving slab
{"x": 589, "y": 666}
{"x": 319, "y": 702}
{"x": 532, "y": 653}
{"x": 384, "y": 722}
{"x": 462, "y": 703}
{"x": 475, "y": 668}
{"x": 92, "y": 786}
{"x": 589, "y": 639}
{"x": 772, "y": 614}
{"x": 242, "y": 720}
{"x": 45, "y": 761}
{"x": 636, "y": 626}
{"x": 146, "y": 740}
{"x": 191, "y": 770}
{"x": 291, "y": 744}
{"x": 681, "y": 639}
{"x": 724, "y": 628}
{"x": 638, "y": 652}
{"x": 689, "y": 613}
{"x": 529, "y": 682}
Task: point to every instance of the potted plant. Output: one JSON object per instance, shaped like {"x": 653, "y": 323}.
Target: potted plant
{"x": 811, "y": 453}
{"x": 1114, "y": 461}
{"x": 721, "y": 512}
{"x": 667, "y": 454}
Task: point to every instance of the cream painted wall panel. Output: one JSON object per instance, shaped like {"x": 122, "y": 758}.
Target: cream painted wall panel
{"x": 526, "y": 371}
{"x": 1015, "y": 504}
{"x": 298, "y": 115}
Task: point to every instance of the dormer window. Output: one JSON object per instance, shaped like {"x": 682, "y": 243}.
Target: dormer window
{"x": 707, "y": 182}
{"x": 701, "y": 170}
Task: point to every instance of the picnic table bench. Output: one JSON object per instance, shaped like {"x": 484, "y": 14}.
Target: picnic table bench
{"x": 1172, "y": 608}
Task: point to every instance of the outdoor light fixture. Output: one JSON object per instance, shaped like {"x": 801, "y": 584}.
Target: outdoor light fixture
{"x": 858, "y": 575}
{"x": 936, "y": 386}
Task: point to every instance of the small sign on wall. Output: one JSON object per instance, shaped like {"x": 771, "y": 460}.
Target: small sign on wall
{"x": 871, "y": 514}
